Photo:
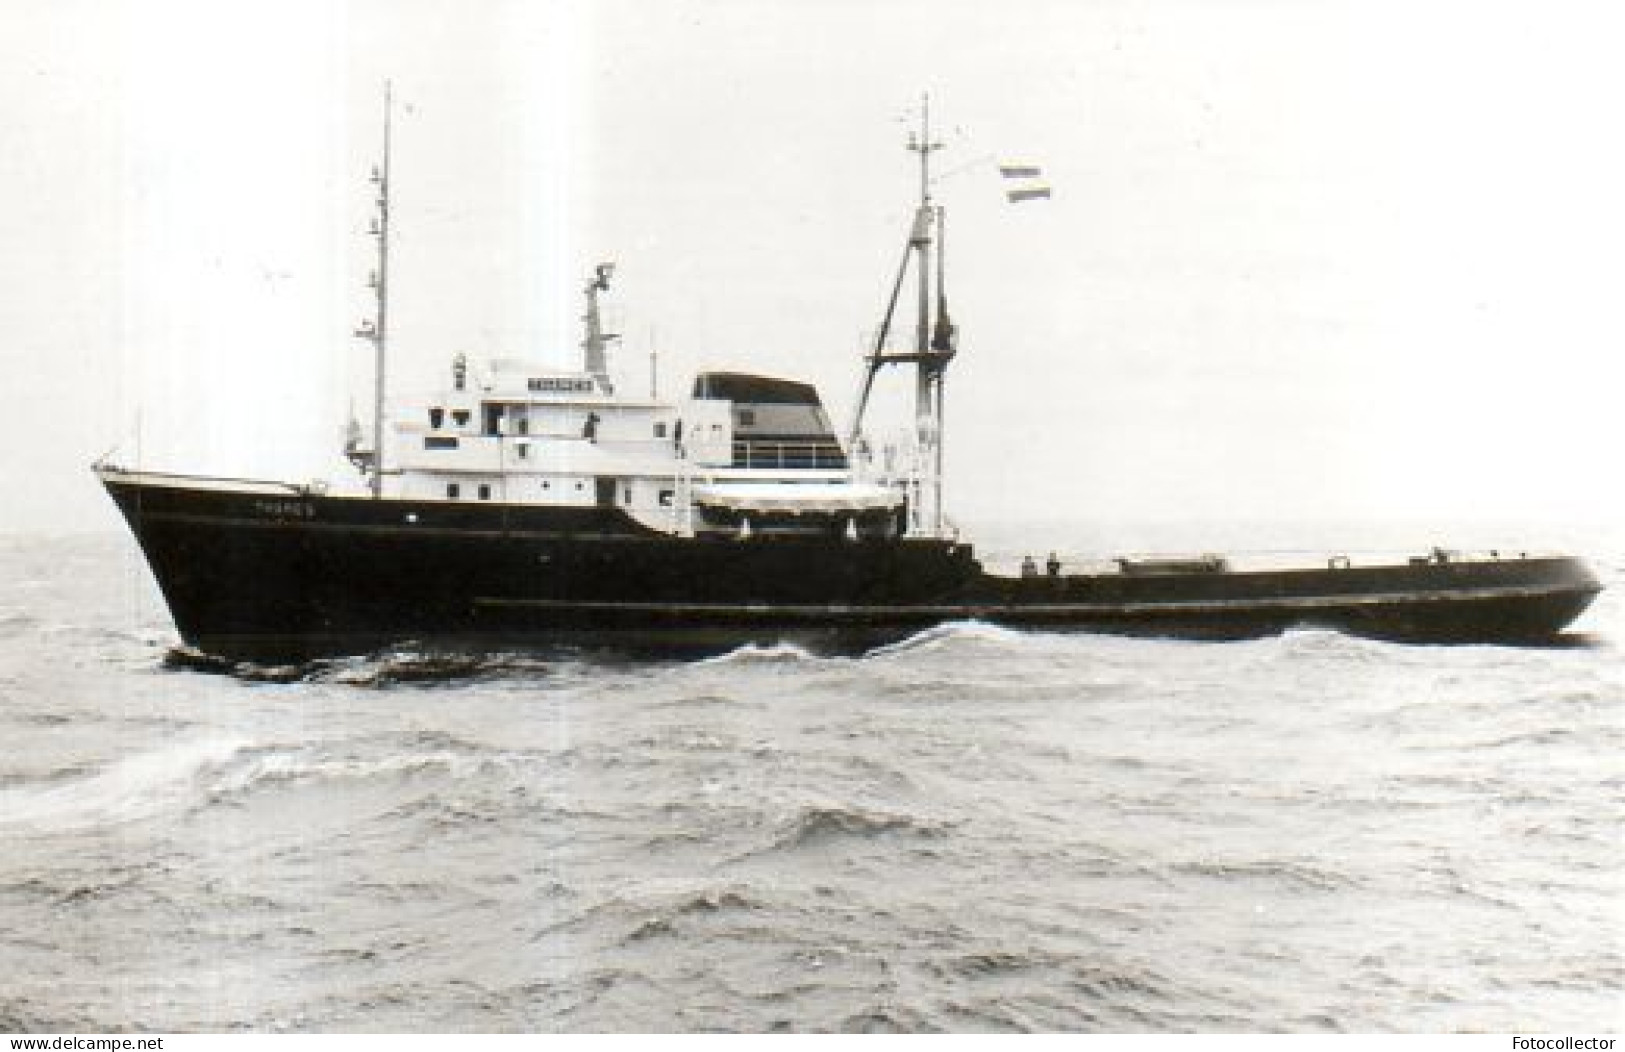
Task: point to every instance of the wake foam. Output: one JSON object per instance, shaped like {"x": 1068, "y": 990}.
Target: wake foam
{"x": 954, "y": 634}
{"x": 761, "y": 654}
{"x": 1304, "y": 643}
{"x": 194, "y": 775}
{"x": 284, "y": 767}
{"x": 410, "y": 667}
{"x": 390, "y": 669}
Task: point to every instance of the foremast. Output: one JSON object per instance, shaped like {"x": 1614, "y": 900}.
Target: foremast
{"x": 935, "y": 343}
{"x": 376, "y": 329}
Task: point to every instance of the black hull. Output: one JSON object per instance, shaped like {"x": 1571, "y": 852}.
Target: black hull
{"x": 270, "y": 574}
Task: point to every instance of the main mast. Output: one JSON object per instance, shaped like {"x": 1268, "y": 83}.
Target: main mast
{"x": 928, "y": 375}
{"x": 934, "y": 346}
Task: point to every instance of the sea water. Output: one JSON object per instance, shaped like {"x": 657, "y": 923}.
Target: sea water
{"x": 975, "y": 829}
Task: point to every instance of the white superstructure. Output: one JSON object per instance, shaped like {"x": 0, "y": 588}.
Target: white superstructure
{"x": 740, "y": 453}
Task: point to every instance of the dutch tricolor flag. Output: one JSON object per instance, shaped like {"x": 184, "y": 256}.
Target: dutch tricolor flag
{"x": 1024, "y": 182}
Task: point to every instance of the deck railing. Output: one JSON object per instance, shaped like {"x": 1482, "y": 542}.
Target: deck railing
{"x": 816, "y": 455}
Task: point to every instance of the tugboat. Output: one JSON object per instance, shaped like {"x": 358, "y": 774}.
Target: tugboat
{"x": 526, "y": 506}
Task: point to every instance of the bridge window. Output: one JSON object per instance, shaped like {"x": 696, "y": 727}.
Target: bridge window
{"x": 660, "y": 430}
{"x": 437, "y": 416}
{"x": 453, "y": 491}
{"x": 485, "y": 492}
{"x": 439, "y": 442}
{"x": 459, "y": 417}
{"x": 747, "y": 418}
{"x": 666, "y": 497}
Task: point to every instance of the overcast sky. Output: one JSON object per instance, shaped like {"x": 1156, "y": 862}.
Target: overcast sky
{"x": 1311, "y": 260}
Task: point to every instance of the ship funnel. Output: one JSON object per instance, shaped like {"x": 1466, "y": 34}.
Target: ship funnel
{"x": 594, "y": 359}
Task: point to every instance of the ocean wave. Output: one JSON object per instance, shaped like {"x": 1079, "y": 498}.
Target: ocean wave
{"x": 664, "y": 917}
{"x": 1548, "y": 736}
{"x": 17, "y": 1016}
{"x": 1000, "y": 962}
{"x": 652, "y": 908}
{"x": 1086, "y": 993}
{"x": 440, "y": 741}
{"x": 16, "y": 622}
{"x": 817, "y": 825}
{"x": 705, "y": 700}
{"x": 1297, "y": 874}
{"x": 70, "y": 886}
{"x": 449, "y": 811}
{"x": 886, "y": 1019}
{"x": 126, "y": 790}
{"x": 1111, "y": 986}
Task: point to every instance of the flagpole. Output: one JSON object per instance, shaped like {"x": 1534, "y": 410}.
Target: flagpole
{"x": 922, "y": 229}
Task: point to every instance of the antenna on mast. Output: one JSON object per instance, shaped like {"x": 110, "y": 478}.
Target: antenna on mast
{"x": 654, "y": 359}
{"x": 376, "y": 328}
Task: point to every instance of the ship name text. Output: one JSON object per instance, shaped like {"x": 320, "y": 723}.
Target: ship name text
{"x": 285, "y": 509}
